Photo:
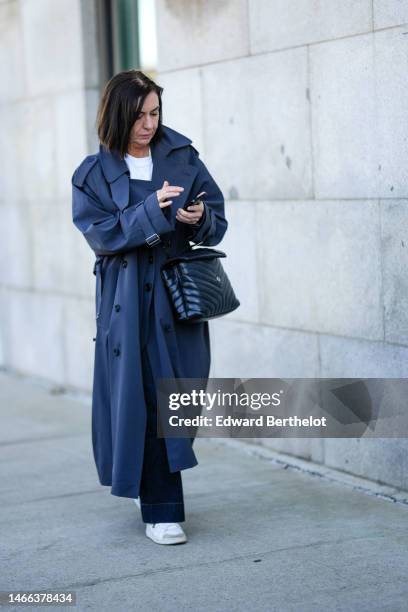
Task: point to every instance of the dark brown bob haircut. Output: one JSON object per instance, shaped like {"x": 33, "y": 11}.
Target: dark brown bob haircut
{"x": 120, "y": 106}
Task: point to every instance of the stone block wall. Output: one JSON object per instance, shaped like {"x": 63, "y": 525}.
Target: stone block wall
{"x": 48, "y": 96}
{"x": 298, "y": 108}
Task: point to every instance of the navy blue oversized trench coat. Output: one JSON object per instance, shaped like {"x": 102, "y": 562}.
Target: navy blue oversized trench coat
{"x": 121, "y": 234}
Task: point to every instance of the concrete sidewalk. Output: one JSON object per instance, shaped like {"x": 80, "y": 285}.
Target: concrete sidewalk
{"x": 261, "y": 537}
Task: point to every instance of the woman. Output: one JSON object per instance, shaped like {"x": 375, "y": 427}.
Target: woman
{"x": 128, "y": 202}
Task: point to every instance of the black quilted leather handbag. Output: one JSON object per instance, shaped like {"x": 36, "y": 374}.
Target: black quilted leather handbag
{"x": 198, "y": 285}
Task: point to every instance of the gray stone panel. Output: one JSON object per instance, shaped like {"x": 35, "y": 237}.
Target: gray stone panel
{"x": 395, "y": 269}
{"x": 241, "y": 264}
{"x": 349, "y": 358}
{"x": 92, "y": 97}
{"x": 35, "y": 326}
{"x": 62, "y": 259}
{"x": 391, "y": 90}
{"x": 69, "y": 107}
{"x": 52, "y": 45}
{"x": 287, "y": 23}
{"x": 321, "y": 267}
{"x": 3, "y": 325}
{"x": 16, "y": 246}
{"x": 360, "y": 136}
{"x": 383, "y": 460}
{"x": 257, "y": 129}
{"x": 390, "y": 13}
{"x": 346, "y": 157}
{"x": 191, "y": 33}
{"x": 79, "y": 347}
{"x": 182, "y": 100}
{"x": 37, "y": 166}
{"x": 243, "y": 350}
{"x": 12, "y": 81}
{"x": 12, "y": 146}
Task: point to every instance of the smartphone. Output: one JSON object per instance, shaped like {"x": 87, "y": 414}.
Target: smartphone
{"x": 195, "y": 201}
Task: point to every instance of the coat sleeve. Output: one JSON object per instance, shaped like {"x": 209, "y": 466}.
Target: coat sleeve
{"x": 213, "y": 224}
{"x": 109, "y": 233}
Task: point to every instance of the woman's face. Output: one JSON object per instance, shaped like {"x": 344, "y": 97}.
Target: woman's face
{"x": 146, "y": 125}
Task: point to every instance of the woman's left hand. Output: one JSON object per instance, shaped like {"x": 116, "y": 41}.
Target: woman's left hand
{"x": 192, "y": 215}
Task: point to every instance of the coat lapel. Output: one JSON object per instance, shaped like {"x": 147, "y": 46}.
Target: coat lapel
{"x": 120, "y": 191}
{"x": 176, "y": 174}
{"x": 116, "y": 171}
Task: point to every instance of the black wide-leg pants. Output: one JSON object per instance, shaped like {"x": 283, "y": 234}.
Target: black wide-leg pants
{"x": 161, "y": 491}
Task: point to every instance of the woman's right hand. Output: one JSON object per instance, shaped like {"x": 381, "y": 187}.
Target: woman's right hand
{"x": 167, "y": 191}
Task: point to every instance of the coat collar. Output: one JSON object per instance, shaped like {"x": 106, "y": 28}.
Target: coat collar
{"x": 116, "y": 171}
{"x": 114, "y": 166}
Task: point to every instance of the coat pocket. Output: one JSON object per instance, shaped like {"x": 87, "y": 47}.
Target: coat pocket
{"x": 106, "y": 272}
{"x": 98, "y": 290}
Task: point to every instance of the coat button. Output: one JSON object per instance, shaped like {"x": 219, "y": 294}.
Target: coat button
{"x": 124, "y": 263}
{"x": 94, "y": 339}
{"x": 117, "y": 307}
{"x": 167, "y": 327}
{"x": 116, "y": 352}
{"x": 151, "y": 259}
{"x": 148, "y": 286}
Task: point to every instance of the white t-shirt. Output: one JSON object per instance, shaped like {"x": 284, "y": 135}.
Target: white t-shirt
{"x": 140, "y": 167}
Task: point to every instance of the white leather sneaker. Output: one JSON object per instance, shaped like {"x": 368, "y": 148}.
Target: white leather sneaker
{"x": 165, "y": 533}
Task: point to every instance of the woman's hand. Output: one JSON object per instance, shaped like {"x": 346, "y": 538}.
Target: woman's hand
{"x": 190, "y": 217}
{"x": 167, "y": 191}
